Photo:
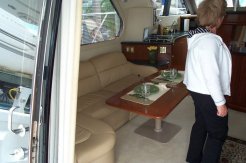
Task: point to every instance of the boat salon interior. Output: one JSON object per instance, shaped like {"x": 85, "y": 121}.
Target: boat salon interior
{"x": 125, "y": 104}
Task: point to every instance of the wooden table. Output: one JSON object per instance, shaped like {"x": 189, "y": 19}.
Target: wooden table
{"x": 158, "y": 109}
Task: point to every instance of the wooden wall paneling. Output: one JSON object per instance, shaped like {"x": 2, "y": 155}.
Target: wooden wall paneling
{"x": 237, "y": 100}
{"x": 240, "y": 77}
{"x": 229, "y": 31}
{"x": 138, "y": 53}
{"x": 226, "y": 33}
{"x": 179, "y": 53}
{"x": 235, "y": 19}
{"x": 164, "y": 58}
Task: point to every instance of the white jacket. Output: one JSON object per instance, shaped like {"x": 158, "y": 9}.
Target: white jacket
{"x": 208, "y": 66}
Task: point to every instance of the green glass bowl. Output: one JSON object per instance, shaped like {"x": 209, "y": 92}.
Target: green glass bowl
{"x": 139, "y": 89}
{"x": 166, "y": 75}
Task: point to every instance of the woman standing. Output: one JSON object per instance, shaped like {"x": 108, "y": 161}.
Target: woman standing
{"x": 207, "y": 77}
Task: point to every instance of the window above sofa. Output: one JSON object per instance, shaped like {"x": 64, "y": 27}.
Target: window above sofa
{"x": 100, "y": 21}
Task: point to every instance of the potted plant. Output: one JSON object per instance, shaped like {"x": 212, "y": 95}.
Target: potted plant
{"x": 152, "y": 54}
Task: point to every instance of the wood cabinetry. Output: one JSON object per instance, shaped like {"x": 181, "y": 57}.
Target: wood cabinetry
{"x": 237, "y": 100}
{"x": 168, "y": 55}
{"x": 137, "y": 52}
{"x": 229, "y": 31}
{"x": 230, "y": 23}
{"x": 179, "y": 53}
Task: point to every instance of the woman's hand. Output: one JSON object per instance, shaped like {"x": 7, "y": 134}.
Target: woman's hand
{"x": 222, "y": 110}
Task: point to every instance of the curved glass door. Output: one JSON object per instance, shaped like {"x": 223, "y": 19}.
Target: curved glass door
{"x": 19, "y": 41}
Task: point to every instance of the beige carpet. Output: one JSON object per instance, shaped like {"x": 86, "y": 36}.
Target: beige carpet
{"x": 134, "y": 148}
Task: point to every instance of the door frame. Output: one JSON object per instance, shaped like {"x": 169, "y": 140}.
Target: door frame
{"x": 64, "y": 90}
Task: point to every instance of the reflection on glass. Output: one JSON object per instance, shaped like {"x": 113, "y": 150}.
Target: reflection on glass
{"x": 18, "y": 34}
{"x": 198, "y": 2}
{"x": 229, "y": 2}
{"x": 19, "y": 38}
{"x": 177, "y": 7}
{"x": 236, "y": 5}
{"x": 242, "y": 3}
{"x": 100, "y": 21}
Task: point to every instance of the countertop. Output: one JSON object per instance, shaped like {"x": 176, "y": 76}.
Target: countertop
{"x": 239, "y": 50}
{"x": 160, "y": 39}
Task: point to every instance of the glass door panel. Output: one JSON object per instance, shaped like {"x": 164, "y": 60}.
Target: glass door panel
{"x": 19, "y": 41}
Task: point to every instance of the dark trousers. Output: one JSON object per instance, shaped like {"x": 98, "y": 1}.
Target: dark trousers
{"x": 208, "y": 132}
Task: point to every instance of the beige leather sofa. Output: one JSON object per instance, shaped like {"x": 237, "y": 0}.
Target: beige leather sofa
{"x": 100, "y": 78}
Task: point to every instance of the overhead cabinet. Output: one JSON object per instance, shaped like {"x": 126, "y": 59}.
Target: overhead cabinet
{"x": 139, "y": 53}
{"x": 167, "y": 55}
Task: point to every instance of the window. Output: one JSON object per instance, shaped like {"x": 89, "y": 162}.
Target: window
{"x": 230, "y": 3}
{"x": 242, "y": 3}
{"x": 100, "y": 21}
{"x": 180, "y": 7}
{"x": 170, "y": 7}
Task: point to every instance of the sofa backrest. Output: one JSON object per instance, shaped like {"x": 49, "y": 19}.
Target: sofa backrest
{"x": 111, "y": 67}
{"x": 88, "y": 78}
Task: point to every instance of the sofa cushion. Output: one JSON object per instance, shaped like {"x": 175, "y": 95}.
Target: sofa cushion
{"x": 88, "y": 79}
{"x": 100, "y": 143}
{"x": 98, "y": 109}
{"x": 123, "y": 83}
{"x": 95, "y": 126}
{"x": 82, "y": 134}
{"x": 100, "y": 78}
{"x": 93, "y": 105}
{"x": 111, "y": 67}
{"x": 117, "y": 118}
{"x": 142, "y": 70}
{"x": 91, "y": 100}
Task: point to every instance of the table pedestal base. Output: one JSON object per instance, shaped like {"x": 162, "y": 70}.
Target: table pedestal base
{"x": 158, "y": 130}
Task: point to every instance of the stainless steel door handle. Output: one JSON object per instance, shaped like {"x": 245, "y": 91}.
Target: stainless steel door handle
{"x": 20, "y": 153}
{"x": 21, "y": 130}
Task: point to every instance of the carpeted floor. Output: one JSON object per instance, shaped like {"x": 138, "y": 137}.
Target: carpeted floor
{"x": 234, "y": 151}
{"x": 134, "y": 148}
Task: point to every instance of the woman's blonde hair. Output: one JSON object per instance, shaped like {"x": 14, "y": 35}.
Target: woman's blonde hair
{"x": 209, "y": 11}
